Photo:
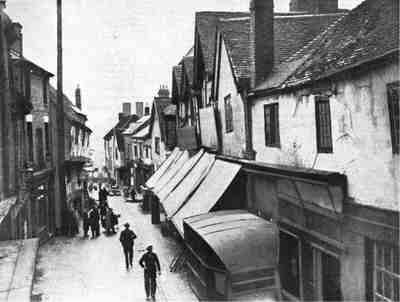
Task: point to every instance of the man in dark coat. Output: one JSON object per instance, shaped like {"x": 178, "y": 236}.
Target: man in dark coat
{"x": 94, "y": 222}
{"x": 127, "y": 238}
{"x": 86, "y": 223}
{"x": 151, "y": 265}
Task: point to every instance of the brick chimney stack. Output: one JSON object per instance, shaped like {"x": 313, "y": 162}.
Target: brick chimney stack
{"x": 314, "y": 6}
{"x": 139, "y": 109}
{"x": 163, "y": 92}
{"x": 78, "y": 98}
{"x": 261, "y": 39}
{"x": 126, "y": 108}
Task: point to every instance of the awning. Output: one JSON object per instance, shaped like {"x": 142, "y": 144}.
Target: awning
{"x": 189, "y": 184}
{"x": 209, "y": 192}
{"x": 243, "y": 241}
{"x": 179, "y": 176}
{"x": 171, "y": 171}
{"x": 165, "y": 165}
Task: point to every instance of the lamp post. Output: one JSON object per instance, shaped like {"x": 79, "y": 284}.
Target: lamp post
{"x": 60, "y": 118}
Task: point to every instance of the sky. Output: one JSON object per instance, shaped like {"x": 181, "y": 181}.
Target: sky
{"x": 116, "y": 50}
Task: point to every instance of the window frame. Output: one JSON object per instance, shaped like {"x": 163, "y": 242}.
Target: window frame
{"x": 157, "y": 143}
{"x": 323, "y": 123}
{"x": 228, "y": 114}
{"x": 275, "y": 140}
{"x": 393, "y": 95}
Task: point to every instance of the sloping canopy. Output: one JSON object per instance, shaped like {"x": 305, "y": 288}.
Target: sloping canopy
{"x": 189, "y": 184}
{"x": 243, "y": 241}
{"x": 171, "y": 171}
{"x": 209, "y": 192}
{"x": 165, "y": 165}
{"x": 179, "y": 176}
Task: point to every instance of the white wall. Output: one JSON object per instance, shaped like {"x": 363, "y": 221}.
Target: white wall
{"x": 158, "y": 159}
{"x": 361, "y": 138}
{"x": 233, "y": 143}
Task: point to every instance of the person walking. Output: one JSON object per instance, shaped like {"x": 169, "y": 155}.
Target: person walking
{"x": 127, "y": 238}
{"x": 86, "y": 223}
{"x": 149, "y": 261}
{"x": 94, "y": 222}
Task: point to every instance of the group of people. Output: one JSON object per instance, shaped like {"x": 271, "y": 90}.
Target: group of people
{"x": 149, "y": 261}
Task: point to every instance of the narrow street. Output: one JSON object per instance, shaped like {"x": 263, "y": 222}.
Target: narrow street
{"x": 78, "y": 269}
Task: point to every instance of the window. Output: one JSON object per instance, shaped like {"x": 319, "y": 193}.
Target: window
{"x": 394, "y": 115}
{"x": 39, "y": 147}
{"x": 157, "y": 145}
{"x": 76, "y": 135}
{"x": 383, "y": 272}
{"x": 30, "y": 140}
{"x": 147, "y": 152}
{"x": 135, "y": 148}
{"x": 271, "y": 124}
{"x": 47, "y": 138}
{"x": 323, "y": 124}
{"x": 45, "y": 98}
{"x": 228, "y": 114}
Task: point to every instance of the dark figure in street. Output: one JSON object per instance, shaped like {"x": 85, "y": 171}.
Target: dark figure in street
{"x": 94, "y": 222}
{"x": 127, "y": 238}
{"x": 151, "y": 265}
{"x": 86, "y": 223}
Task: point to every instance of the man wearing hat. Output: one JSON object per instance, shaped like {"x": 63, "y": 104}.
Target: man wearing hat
{"x": 151, "y": 265}
{"x": 126, "y": 238}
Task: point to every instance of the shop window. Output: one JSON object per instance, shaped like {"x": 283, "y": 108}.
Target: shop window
{"x": 289, "y": 264}
{"x": 394, "y": 115}
{"x": 271, "y": 124}
{"x": 228, "y": 114}
{"x": 157, "y": 145}
{"x": 383, "y": 272}
{"x": 323, "y": 124}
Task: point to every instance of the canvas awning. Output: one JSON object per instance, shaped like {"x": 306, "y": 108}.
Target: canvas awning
{"x": 189, "y": 184}
{"x": 243, "y": 241}
{"x": 179, "y": 176}
{"x": 171, "y": 171}
{"x": 165, "y": 165}
{"x": 209, "y": 192}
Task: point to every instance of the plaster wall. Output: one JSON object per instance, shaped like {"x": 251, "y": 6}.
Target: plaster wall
{"x": 362, "y": 148}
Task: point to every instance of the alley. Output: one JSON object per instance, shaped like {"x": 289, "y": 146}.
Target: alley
{"x": 78, "y": 269}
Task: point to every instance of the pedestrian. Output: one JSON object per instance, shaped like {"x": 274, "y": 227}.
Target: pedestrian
{"x": 127, "y": 238}
{"x": 151, "y": 265}
{"x": 94, "y": 222}
{"x": 86, "y": 223}
{"x": 109, "y": 221}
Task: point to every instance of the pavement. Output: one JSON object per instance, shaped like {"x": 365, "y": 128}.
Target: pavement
{"x": 17, "y": 266}
{"x": 79, "y": 269}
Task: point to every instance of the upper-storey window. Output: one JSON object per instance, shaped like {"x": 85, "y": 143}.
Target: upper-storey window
{"x": 271, "y": 125}
{"x": 157, "y": 145}
{"x": 393, "y": 102}
{"x": 323, "y": 124}
{"x": 228, "y": 114}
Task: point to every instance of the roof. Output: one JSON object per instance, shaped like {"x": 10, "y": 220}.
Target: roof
{"x": 366, "y": 33}
{"x": 170, "y": 110}
{"x": 32, "y": 65}
{"x": 187, "y": 65}
{"x": 206, "y": 23}
{"x": 143, "y": 133}
{"x": 133, "y": 127}
{"x": 243, "y": 241}
{"x": 291, "y": 33}
{"x": 159, "y": 104}
{"x": 121, "y": 125}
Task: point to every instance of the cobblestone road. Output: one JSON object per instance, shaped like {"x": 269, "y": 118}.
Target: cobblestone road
{"x": 78, "y": 269}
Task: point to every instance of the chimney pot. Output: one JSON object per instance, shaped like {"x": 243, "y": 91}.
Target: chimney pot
{"x": 139, "y": 109}
{"x": 126, "y": 108}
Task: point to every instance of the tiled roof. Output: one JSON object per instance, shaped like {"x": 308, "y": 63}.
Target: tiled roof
{"x": 121, "y": 125}
{"x": 170, "y": 110}
{"x": 159, "y": 105}
{"x": 291, "y": 33}
{"x": 177, "y": 80}
{"x": 206, "y": 23}
{"x": 187, "y": 64}
{"x": 368, "y": 32}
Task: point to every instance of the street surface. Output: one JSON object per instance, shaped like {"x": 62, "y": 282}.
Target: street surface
{"x": 79, "y": 269}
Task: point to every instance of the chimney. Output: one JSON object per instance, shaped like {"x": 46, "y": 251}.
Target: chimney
{"x": 78, "y": 100}
{"x": 163, "y": 92}
{"x": 139, "y": 109}
{"x": 126, "y": 108}
{"x": 261, "y": 39}
{"x": 147, "y": 110}
{"x": 314, "y": 6}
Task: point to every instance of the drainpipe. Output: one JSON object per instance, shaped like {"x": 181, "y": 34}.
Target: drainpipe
{"x": 248, "y": 152}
